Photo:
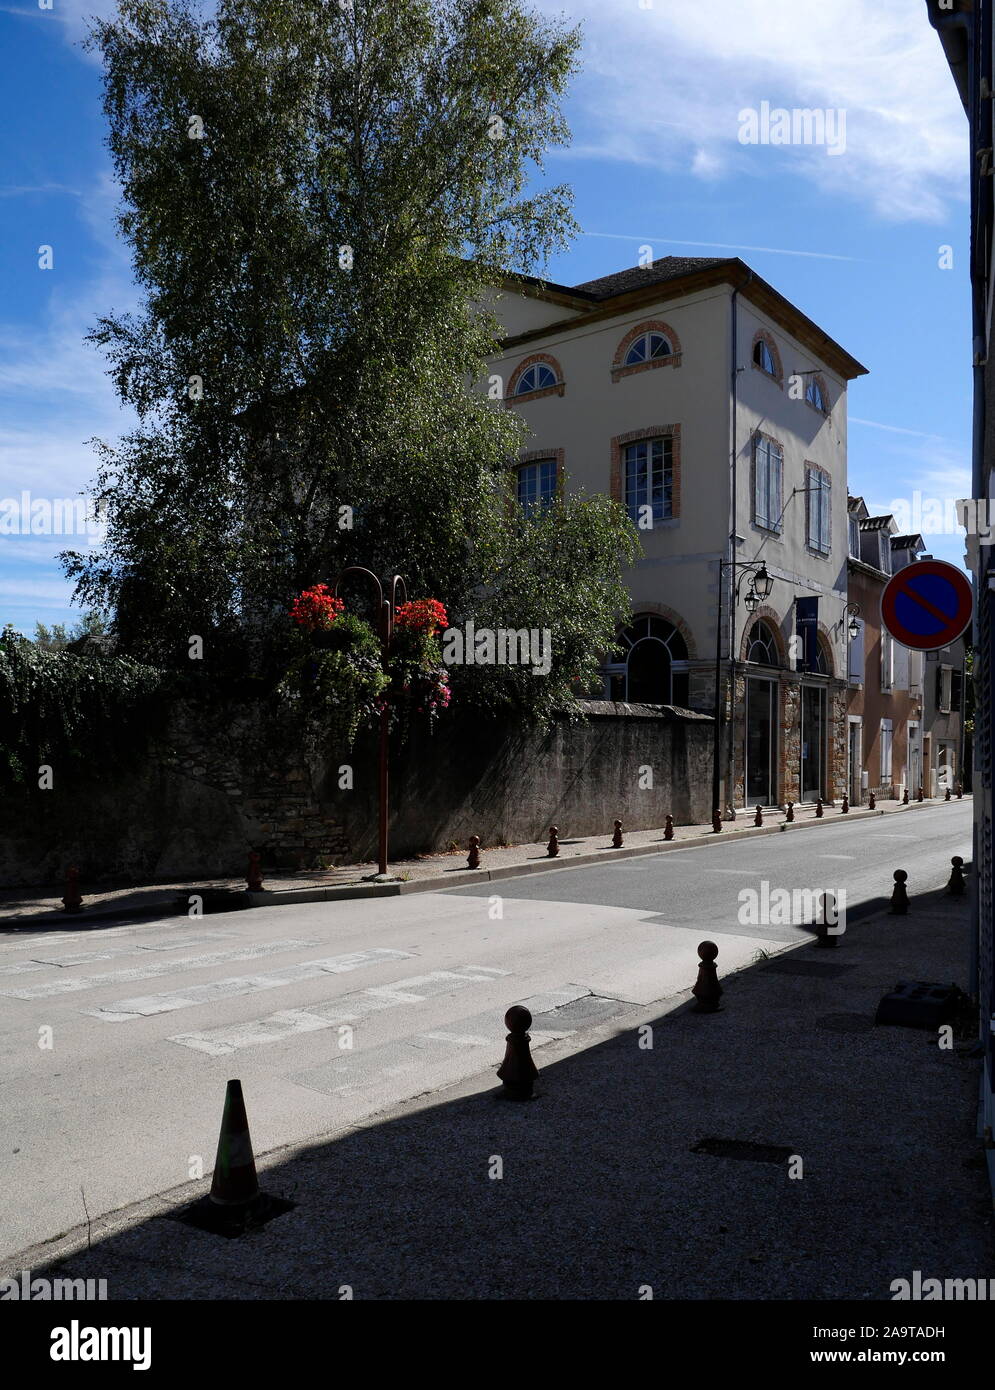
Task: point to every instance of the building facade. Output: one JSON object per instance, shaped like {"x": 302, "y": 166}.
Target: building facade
{"x": 715, "y": 412}
{"x": 885, "y": 716}
{"x": 967, "y": 34}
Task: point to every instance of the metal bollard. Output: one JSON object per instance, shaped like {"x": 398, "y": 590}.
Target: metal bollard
{"x": 553, "y": 848}
{"x": 707, "y": 990}
{"x": 73, "y": 900}
{"x": 254, "y": 877}
{"x": 668, "y": 829}
{"x": 790, "y": 813}
{"x": 473, "y": 858}
{"x": 716, "y": 821}
{"x": 845, "y": 808}
{"x": 518, "y": 1071}
{"x": 871, "y": 803}
{"x": 617, "y": 837}
{"x": 957, "y": 885}
{"x": 899, "y": 896}
{"x": 758, "y": 819}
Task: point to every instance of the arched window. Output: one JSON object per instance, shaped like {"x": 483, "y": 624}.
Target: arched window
{"x": 646, "y": 348}
{"x": 650, "y": 664}
{"x": 763, "y": 357}
{"x": 766, "y": 357}
{"x": 816, "y": 396}
{"x": 536, "y": 378}
{"x": 761, "y": 645}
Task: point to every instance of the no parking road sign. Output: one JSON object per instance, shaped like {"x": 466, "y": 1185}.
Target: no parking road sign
{"x": 927, "y": 605}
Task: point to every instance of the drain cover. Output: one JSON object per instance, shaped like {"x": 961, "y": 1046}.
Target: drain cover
{"x": 743, "y": 1148}
{"x": 807, "y": 967}
{"x": 845, "y": 1023}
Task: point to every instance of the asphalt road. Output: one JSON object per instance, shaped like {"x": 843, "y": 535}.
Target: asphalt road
{"x": 117, "y": 1042}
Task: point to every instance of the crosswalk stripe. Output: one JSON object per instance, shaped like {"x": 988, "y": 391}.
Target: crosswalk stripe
{"x": 348, "y": 1008}
{"x": 124, "y": 1010}
{"x": 76, "y": 983}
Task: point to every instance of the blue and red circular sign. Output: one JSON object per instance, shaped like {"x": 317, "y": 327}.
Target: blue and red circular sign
{"x": 927, "y": 605}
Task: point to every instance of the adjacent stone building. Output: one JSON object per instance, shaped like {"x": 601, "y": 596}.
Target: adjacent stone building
{"x": 715, "y": 411}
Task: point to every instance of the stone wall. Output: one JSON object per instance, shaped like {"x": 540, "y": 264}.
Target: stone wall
{"x": 216, "y": 788}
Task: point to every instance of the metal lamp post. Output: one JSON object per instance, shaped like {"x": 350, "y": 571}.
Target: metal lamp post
{"x": 386, "y": 608}
{"x": 761, "y": 584}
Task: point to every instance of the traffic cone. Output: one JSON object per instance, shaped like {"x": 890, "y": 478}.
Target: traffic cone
{"x": 235, "y": 1183}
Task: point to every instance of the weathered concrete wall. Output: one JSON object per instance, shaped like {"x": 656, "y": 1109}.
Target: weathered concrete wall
{"x": 508, "y": 786}
{"x": 200, "y": 802}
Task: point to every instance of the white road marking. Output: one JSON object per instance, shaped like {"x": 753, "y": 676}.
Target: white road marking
{"x": 124, "y": 1010}
{"x": 837, "y": 856}
{"x": 76, "y": 983}
{"x": 349, "y": 1008}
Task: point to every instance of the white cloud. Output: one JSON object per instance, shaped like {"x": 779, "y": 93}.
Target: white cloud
{"x": 663, "y": 87}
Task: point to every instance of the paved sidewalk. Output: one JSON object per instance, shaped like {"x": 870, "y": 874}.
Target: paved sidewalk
{"x": 422, "y": 873}
{"x": 603, "y": 1188}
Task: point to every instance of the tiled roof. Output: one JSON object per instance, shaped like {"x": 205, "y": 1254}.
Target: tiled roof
{"x": 635, "y": 278}
{"x": 875, "y": 523}
{"x": 904, "y": 542}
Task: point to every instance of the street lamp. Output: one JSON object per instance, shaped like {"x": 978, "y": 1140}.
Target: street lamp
{"x": 761, "y": 584}
{"x": 386, "y": 609}
{"x": 853, "y": 627}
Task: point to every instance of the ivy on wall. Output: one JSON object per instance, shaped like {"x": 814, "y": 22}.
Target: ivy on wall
{"x": 69, "y": 710}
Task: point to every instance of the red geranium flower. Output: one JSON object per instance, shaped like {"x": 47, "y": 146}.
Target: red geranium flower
{"x": 422, "y": 614}
{"x": 316, "y": 608}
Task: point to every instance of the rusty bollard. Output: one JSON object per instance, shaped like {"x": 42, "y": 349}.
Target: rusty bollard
{"x": 707, "y": 990}
{"x": 960, "y": 791}
{"x": 845, "y": 808}
{"x": 789, "y": 814}
{"x": 518, "y": 1071}
{"x": 254, "y": 878}
{"x": 553, "y": 848}
{"x": 473, "y": 858}
{"x": 905, "y": 797}
{"x": 758, "y": 819}
{"x": 668, "y": 829}
{"x": 957, "y": 885}
{"x": 716, "y": 821}
{"x": 617, "y": 837}
{"x": 73, "y": 901}
{"x": 919, "y": 794}
{"x": 947, "y": 797}
{"x": 872, "y": 803}
{"x": 900, "y": 896}
{"x": 818, "y": 808}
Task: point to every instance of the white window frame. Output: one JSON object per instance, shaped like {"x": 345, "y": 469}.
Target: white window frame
{"x": 535, "y": 498}
{"x": 664, "y": 465}
{"x": 887, "y": 751}
{"x": 646, "y": 339}
{"x": 853, "y": 536}
{"x": 522, "y": 390}
{"x": 768, "y": 470}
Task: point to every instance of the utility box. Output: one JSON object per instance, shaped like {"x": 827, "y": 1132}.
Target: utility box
{"x": 918, "y": 1004}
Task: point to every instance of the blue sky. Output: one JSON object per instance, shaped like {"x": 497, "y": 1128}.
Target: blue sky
{"x": 852, "y": 239}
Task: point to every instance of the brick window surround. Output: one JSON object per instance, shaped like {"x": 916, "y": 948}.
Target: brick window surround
{"x": 522, "y": 367}
{"x": 762, "y": 336}
{"x": 619, "y": 369}
{"x": 617, "y": 486}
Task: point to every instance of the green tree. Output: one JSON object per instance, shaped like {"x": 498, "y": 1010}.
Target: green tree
{"x": 319, "y": 198}
{"x": 57, "y": 637}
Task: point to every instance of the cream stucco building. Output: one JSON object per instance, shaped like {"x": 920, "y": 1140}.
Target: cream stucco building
{"x": 697, "y": 395}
